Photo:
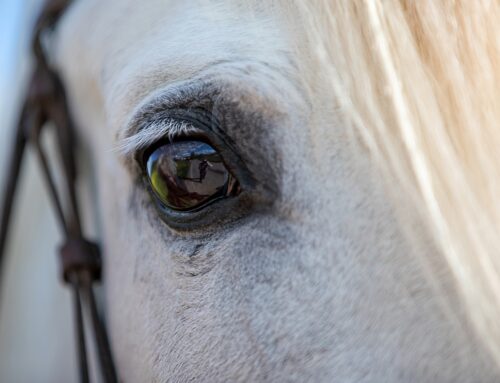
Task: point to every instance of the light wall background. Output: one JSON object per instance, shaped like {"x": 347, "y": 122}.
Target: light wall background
{"x": 36, "y": 329}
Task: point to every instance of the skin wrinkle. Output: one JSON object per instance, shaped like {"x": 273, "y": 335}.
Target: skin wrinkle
{"x": 211, "y": 74}
{"x": 320, "y": 285}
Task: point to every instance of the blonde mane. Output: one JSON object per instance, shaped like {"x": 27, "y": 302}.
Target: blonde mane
{"x": 419, "y": 81}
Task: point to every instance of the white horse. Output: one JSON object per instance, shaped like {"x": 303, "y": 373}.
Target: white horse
{"x": 350, "y": 231}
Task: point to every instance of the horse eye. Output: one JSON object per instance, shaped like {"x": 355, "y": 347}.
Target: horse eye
{"x": 187, "y": 175}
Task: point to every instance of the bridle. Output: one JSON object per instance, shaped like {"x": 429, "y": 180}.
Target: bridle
{"x": 45, "y": 107}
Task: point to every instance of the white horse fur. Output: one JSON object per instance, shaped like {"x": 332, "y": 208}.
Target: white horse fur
{"x": 337, "y": 276}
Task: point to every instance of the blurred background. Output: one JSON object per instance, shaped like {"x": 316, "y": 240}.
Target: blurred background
{"x": 36, "y": 343}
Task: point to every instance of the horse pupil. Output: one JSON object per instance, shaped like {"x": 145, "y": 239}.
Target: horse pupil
{"x": 187, "y": 174}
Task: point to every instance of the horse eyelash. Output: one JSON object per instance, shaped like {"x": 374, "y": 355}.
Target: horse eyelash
{"x": 153, "y": 132}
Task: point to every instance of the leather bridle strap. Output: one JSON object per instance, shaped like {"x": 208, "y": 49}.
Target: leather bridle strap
{"x": 45, "y": 107}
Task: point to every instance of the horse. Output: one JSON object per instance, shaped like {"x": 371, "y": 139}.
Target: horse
{"x": 292, "y": 191}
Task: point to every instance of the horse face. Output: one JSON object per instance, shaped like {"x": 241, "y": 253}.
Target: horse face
{"x": 305, "y": 273}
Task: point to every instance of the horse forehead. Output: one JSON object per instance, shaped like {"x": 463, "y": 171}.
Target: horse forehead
{"x": 136, "y": 47}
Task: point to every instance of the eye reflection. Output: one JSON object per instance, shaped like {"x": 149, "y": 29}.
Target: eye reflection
{"x": 188, "y": 174}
